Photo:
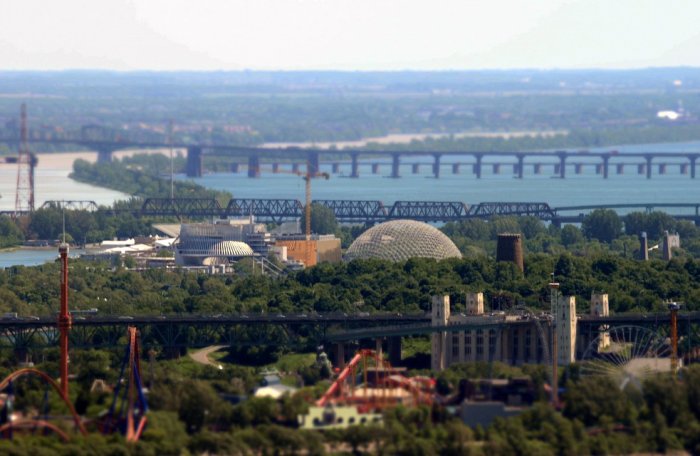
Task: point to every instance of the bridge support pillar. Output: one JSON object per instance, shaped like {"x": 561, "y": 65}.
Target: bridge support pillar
{"x": 395, "y": 163}
{"x": 235, "y": 167}
{"x": 641, "y": 168}
{"x": 379, "y": 344}
{"x": 193, "y": 168}
{"x": 497, "y": 168}
{"x": 578, "y": 168}
{"x": 436, "y": 165}
{"x": 253, "y": 166}
{"x": 21, "y": 355}
{"x": 275, "y": 168}
{"x": 477, "y": 165}
{"x": 537, "y": 169}
{"x": 620, "y": 168}
{"x": 104, "y": 155}
{"x": 455, "y": 168}
{"x": 662, "y": 168}
{"x": 521, "y": 166}
{"x": 693, "y": 159}
{"x": 606, "y": 160}
{"x": 335, "y": 168}
{"x": 295, "y": 168}
{"x": 314, "y": 163}
{"x": 394, "y": 349}
{"x": 562, "y": 164}
{"x": 648, "y": 159}
{"x": 375, "y": 168}
{"x": 684, "y": 168}
{"x": 340, "y": 355}
{"x": 415, "y": 168}
{"x": 355, "y": 172}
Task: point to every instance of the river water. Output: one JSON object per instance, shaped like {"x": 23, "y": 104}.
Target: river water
{"x": 587, "y": 188}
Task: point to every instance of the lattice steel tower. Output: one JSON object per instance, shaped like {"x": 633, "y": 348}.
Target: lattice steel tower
{"x": 24, "y": 196}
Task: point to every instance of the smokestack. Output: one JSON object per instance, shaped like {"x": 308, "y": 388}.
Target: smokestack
{"x": 64, "y": 318}
{"x": 643, "y": 246}
{"x": 510, "y": 248}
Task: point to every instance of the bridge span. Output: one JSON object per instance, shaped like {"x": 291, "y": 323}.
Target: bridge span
{"x": 106, "y": 142}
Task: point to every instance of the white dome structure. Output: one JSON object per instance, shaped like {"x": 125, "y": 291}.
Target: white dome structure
{"x": 399, "y": 240}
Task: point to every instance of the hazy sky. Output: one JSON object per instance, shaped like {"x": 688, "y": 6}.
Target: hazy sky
{"x": 347, "y": 34}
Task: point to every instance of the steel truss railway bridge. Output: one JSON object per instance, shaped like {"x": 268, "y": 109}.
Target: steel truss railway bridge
{"x": 173, "y": 334}
{"x": 369, "y": 212}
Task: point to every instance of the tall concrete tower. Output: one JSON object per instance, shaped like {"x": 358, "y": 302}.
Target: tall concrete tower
{"x": 601, "y": 308}
{"x": 440, "y": 307}
{"x": 643, "y": 246}
{"x": 566, "y": 330}
{"x": 510, "y": 248}
{"x": 475, "y": 303}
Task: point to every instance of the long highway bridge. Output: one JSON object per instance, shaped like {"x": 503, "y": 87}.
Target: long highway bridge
{"x": 106, "y": 142}
{"x": 372, "y": 211}
{"x": 173, "y": 333}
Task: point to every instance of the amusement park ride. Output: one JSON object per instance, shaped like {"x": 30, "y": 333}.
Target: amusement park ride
{"x": 127, "y": 413}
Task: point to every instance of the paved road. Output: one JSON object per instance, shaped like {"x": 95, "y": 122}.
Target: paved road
{"x": 202, "y": 356}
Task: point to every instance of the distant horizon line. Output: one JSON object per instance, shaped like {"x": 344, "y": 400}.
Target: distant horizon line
{"x": 310, "y": 70}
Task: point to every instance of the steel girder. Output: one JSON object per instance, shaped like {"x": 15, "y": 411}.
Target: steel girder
{"x": 356, "y": 210}
{"x": 429, "y": 211}
{"x": 271, "y": 209}
{"x": 540, "y": 210}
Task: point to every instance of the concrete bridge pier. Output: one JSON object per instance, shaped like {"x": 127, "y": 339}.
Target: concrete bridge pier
{"x": 684, "y": 168}
{"x": 562, "y": 164}
{"x": 477, "y": 165}
{"x": 395, "y": 164}
{"x": 620, "y": 168}
{"x": 194, "y": 166}
{"x": 335, "y": 168}
{"x": 436, "y": 165}
{"x": 537, "y": 169}
{"x": 295, "y": 168}
{"x": 339, "y": 355}
{"x": 692, "y": 159}
{"x": 662, "y": 168}
{"x": 649, "y": 158}
{"x": 253, "y": 166}
{"x": 275, "y": 168}
{"x": 606, "y": 160}
{"x": 455, "y": 168}
{"x": 394, "y": 350}
{"x": 314, "y": 163}
{"x": 641, "y": 168}
{"x": 521, "y": 166}
{"x": 578, "y": 168}
{"x": 354, "y": 166}
{"x": 375, "y": 168}
{"x": 415, "y": 168}
{"x": 235, "y": 167}
{"x": 104, "y": 155}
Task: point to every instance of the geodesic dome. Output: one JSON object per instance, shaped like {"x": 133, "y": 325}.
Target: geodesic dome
{"x": 400, "y": 240}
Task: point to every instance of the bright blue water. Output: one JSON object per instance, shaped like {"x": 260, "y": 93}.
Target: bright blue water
{"x": 587, "y": 188}
{"x": 30, "y": 257}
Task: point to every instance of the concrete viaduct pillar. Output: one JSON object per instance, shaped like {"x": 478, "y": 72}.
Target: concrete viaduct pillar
{"x": 606, "y": 159}
{"x": 395, "y": 163}
{"x": 649, "y": 158}
{"x": 335, "y": 168}
{"x": 562, "y": 164}
{"x": 521, "y": 166}
{"x": 104, "y": 155}
{"x": 235, "y": 167}
{"x": 415, "y": 168}
{"x": 455, "y": 168}
{"x": 693, "y": 159}
{"x": 194, "y": 166}
{"x": 340, "y": 355}
{"x": 295, "y": 168}
{"x": 436, "y": 165}
{"x": 394, "y": 350}
{"x": 477, "y": 165}
{"x": 275, "y": 168}
{"x": 355, "y": 172}
{"x": 253, "y": 166}
{"x": 314, "y": 163}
